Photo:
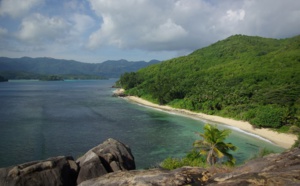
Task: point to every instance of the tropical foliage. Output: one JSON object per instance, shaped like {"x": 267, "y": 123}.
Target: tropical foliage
{"x": 209, "y": 150}
{"x": 243, "y": 77}
{"x": 213, "y": 145}
{"x": 193, "y": 159}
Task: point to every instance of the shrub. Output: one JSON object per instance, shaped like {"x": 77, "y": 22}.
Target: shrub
{"x": 268, "y": 116}
{"x": 249, "y": 115}
{"x": 171, "y": 163}
{"x": 193, "y": 159}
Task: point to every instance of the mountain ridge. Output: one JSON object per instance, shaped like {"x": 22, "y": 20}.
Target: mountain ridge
{"x": 49, "y": 66}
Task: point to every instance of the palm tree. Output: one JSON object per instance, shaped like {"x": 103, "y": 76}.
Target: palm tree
{"x": 213, "y": 146}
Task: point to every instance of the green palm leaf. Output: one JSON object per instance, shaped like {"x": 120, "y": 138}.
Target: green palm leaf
{"x": 213, "y": 146}
{"x": 218, "y": 153}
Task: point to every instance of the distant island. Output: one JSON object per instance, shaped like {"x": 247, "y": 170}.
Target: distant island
{"x": 52, "y": 78}
{"x": 3, "y": 79}
{"x": 43, "y": 68}
{"x": 69, "y": 77}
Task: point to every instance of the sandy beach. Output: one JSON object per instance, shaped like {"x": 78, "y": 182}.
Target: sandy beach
{"x": 280, "y": 139}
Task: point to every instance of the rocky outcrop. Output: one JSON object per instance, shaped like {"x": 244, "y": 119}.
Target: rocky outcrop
{"x": 110, "y": 156}
{"x": 119, "y": 93}
{"x": 54, "y": 171}
{"x": 109, "y": 164}
{"x": 182, "y": 176}
{"x": 275, "y": 169}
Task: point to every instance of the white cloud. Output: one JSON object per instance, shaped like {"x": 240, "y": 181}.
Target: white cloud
{"x": 17, "y": 8}
{"x": 81, "y": 23}
{"x": 74, "y": 5}
{"x": 165, "y": 32}
{"x": 272, "y": 18}
{"x": 134, "y": 24}
{"x": 237, "y": 15}
{"x": 38, "y": 29}
{"x": 103, "y": 36}
{"x": 160, "y": 27}
{"x": 3, "y": 32}
{"x": 189, "y": 24}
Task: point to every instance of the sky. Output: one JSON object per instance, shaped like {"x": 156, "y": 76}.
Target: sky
{"x": 94, "y": 31}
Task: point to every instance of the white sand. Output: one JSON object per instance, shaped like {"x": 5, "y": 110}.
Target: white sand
{"x": 280, "y": 139}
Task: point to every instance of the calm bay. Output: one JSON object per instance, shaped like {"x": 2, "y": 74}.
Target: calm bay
{"x": 42, "y": 119}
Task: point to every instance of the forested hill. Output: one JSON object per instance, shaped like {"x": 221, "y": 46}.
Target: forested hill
{"x": 27, "y": 66}
{"x": 243, "y": 77}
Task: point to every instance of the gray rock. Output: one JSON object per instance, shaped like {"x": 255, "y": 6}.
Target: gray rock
{"x": 274, "y": 169}
{"x": 182, "y": 176}
{"x": 53, "y": 171}
{"x": 110, "y": 156}
{"x": 109, "y": 164}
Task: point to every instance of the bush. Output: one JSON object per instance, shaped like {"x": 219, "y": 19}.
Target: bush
{"x": 193, "y": 159}
{"x": 268, "y": 116}
{"x": 182, "y": 103}
{"x": 249, "y": 115}
{"x": 171, "y": 163}
{"x": 134, "y": 92}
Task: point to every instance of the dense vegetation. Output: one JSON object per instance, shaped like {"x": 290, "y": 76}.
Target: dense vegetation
{"x": 192, "y": 159}
{"x": 243, "y": 77}
{"x": 211, "y": 149}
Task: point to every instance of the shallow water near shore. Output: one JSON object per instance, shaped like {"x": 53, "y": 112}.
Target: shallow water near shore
{"x": 45, "y": 119}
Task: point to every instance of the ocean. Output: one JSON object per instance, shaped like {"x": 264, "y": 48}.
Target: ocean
{"x": 42, "y": 119}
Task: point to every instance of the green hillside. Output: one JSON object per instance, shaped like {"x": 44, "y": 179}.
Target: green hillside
{"x": 243, "y": 77}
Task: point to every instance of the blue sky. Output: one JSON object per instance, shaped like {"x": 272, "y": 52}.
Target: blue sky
{"x": 97, "y": 30}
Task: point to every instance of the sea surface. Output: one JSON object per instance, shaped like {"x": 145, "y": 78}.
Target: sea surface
{"x": 42, "y": 119}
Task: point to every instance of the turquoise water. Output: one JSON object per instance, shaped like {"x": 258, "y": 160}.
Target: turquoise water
{"x": 248, "y": 144}
{"x": 44, "y": 119}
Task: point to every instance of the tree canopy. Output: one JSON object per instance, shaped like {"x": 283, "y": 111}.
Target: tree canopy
{"x": 243, "y": 77}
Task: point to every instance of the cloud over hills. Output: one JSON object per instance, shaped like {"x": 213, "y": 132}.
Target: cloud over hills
{"x": 112, "y": 29}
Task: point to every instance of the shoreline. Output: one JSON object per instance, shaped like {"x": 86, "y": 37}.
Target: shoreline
{"x": 281, "y": 139}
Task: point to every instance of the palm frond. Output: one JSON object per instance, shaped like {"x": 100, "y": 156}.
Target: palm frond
{"x": 213, "y": 146}
{"x": 203, "y": 152}
{"x": 218, "y": 153}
